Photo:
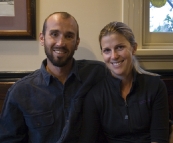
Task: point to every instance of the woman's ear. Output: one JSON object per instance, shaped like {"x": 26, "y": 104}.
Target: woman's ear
{"x": 41, "y": 38}
{"x": 134, "y": 48}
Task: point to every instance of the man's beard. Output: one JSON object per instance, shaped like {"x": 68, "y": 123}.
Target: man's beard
{"x": 60, "y": 62}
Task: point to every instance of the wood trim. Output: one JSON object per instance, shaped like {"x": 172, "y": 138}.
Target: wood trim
{"x": 164, "y": 73}
{"x": 12, "y": 76}
{"x": 155, "y": 58}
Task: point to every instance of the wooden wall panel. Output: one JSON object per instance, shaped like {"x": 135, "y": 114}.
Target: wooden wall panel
{"x": 4, "y": 86}
{"x": 7, "y": 79}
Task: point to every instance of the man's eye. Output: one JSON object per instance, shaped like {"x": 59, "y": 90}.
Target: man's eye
{"x": 69, "y": 36}
{"x": 54, "y": 34}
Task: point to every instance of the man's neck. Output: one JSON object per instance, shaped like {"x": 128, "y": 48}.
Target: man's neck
{"x": 61, "y": 73}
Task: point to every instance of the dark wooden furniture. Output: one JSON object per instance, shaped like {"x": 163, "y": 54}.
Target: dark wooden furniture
{"x": 4, "y": 86}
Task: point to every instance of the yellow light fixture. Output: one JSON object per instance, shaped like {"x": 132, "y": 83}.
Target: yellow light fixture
{"x": 158, "y": 3}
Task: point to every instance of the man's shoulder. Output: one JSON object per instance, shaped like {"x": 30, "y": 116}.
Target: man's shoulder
{"x": 91, "y": 66}
{"x": 91, "y": 70}
{"x": 31, "y": 77}
{"x": 89, "y": 63}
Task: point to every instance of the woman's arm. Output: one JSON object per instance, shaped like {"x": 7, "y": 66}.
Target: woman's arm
{"x": 160, "y": 116}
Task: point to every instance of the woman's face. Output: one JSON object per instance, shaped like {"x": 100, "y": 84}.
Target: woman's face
{"x": 117, "y": 54}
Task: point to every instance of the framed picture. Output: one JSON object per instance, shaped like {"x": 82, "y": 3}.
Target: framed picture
{"x": 17, "y": 19}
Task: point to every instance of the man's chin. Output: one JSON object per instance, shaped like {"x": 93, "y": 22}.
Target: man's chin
{"x": 60, "y": 64}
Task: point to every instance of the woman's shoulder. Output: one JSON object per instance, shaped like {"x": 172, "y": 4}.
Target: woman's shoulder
{"x": 149, "y": 77}
{"x": 150, "y": 80}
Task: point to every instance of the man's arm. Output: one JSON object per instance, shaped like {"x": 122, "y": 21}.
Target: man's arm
{"x": 90, "y": 125}
{"x": 12, "y": 124}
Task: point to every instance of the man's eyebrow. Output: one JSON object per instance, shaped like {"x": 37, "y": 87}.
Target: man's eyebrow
{"x": 68, "y": 32}
{"x": 53, "y": 30}
{"x": 71, "y": 33}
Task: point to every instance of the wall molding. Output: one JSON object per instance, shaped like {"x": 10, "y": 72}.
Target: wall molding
{"x": 155, "y": 58}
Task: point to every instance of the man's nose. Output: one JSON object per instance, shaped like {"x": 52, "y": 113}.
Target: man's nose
{"x": 60, "y": 41}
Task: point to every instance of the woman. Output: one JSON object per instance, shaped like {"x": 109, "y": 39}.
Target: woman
{"x": 130, "y": 104}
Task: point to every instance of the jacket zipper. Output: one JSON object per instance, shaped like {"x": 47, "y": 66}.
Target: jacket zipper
{"x": 127, "y": 115}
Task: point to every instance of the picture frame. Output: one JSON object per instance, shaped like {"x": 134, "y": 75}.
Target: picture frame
{"x": 21, "y": 26}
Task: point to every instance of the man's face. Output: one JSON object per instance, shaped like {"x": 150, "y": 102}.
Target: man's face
{"x": 60, "y": 40}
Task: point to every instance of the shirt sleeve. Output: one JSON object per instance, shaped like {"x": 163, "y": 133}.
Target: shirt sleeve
{"x": 12, "y": 125}
{"x": 160, "y": 116}
{"x": 90, "y": 125}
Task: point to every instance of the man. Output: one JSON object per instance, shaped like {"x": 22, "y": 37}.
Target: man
{"x": 45, "y": 106}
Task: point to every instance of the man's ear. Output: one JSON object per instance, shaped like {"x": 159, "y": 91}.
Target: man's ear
{"x": 41, "y": 38}
{"x": 77, "y": 43}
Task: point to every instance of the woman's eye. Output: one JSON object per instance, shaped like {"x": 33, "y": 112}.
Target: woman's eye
{"x": 106, "y": 51}
{"x": 120, "y": 48}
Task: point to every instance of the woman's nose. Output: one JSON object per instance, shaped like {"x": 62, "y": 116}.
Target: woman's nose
{"x": 114, "y": 54}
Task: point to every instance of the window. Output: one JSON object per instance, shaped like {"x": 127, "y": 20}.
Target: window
{"x": 152, "y": 46}
{"x": 161, "y": 16}
{"x": 162, "y": 39}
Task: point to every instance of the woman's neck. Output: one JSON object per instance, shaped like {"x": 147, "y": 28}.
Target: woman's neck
{"x": 126, "y": 85}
